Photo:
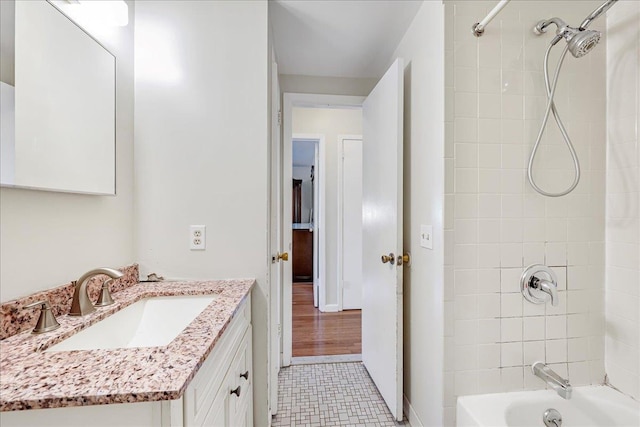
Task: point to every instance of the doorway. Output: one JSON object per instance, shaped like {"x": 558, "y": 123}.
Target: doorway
{"x": 319, "y": 324}
{"x": 381, "y": 118}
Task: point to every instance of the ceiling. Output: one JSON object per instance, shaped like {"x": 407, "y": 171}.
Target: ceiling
{"x": 338, "y": 38}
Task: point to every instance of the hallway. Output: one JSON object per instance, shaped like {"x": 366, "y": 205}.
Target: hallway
{"x": 323, "y": 334}
{"x": 332, "y": 394}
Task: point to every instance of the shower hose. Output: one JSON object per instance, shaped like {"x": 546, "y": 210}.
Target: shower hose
{"x": 551, "y": 107}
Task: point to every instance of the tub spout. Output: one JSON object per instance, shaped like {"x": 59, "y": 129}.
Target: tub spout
{"x": 559, "y": 384}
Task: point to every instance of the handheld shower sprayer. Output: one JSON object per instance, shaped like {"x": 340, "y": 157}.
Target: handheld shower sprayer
{"x": 580, "y": 41}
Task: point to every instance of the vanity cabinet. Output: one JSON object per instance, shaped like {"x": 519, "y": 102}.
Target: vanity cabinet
{"x": 222, "y": 391}
{"x": 220, "y": 394}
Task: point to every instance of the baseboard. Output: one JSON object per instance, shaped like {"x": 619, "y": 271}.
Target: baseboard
{"x": 330, "y": 308}
{"x": 410, "y": 414}
{"x": 313, "y": 360}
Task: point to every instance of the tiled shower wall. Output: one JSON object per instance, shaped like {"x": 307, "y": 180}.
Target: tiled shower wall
{"x": 623, "y": 201}
{"x": 496, "y": 225}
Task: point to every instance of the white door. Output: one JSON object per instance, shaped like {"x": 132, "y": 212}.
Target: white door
{"x": 351, "y": 207}
{"x": 382, "y": 235}
{"x": 275, "y": 226}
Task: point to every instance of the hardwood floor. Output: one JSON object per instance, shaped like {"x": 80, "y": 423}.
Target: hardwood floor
{"x": 323, "y": 334}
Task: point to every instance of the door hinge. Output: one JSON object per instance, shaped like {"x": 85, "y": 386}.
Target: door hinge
{"x": 279, "y": 329}
{"x": 279, "y": 118}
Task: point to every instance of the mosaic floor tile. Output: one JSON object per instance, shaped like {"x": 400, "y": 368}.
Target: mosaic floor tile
{"x": 330, "y": 394}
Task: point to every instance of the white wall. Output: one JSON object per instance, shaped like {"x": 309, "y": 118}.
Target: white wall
{"x": 304, "y": 173}
{"x": 61, "y": 236}
{"x": 423, "y": 51}
{"x": 326, "y": 85}
{"x": 201, "y": 127}
{"x": 496, "y": 225}
{"x": 7, "y": 133}
{"x": 331, "y": 123}
{"x": 622, "y": 354}
{"x": 7, "y": 42}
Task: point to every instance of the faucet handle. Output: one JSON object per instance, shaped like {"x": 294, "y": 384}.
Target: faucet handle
{"x": 47, "y": 321}
{"x": 538, "y": 284}
{"x": 105, "y": 295}
{"x": 549, "y": 288}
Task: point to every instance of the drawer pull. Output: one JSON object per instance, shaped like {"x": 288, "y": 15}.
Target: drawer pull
{"x": 236, "y": 391}
{"x": 245, "y": 375}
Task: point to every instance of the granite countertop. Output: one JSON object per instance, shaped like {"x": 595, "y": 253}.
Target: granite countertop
{"x": 32, "y": 379}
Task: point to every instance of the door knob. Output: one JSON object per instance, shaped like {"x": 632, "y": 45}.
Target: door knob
{"x": 282, "y": 256}
{"x": 404, "y": 260}
{"x": 391, "y": 258}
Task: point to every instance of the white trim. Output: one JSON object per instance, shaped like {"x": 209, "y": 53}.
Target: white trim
{"x": 339, "y": 259}
{"x": 330, "y": 308}
{"x": 336, "y": 358}
{"x": 410, "y": 415}
{"x": 274, "y": 278}
{"x": 319, "y": 235}
{"x": 316, "y": 235}
{"x": 292, "y": 100}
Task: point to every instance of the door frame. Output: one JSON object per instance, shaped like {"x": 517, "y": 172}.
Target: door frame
{"x": 319, "y": 196}
{"x": 340, "y": 237}
{"x": 290, "y": 101}
{"x": 274, "y": 313}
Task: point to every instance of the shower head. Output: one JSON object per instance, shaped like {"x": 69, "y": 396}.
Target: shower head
{"x": 580, "y": 41}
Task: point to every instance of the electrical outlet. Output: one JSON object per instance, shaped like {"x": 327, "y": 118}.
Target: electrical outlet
{"x": 197, "y": 238}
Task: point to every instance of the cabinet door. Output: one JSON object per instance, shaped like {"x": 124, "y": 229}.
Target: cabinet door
{"x": 241, "y": 407}
{"x": 218, "y": 415}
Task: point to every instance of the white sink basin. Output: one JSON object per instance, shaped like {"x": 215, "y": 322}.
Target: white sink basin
{"x": 150, "y": 322}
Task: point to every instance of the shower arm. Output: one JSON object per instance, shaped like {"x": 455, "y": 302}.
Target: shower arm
{"x": 563, "y": 29}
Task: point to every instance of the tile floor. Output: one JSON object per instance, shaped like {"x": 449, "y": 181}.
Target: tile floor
{"x": 329, "y": 394}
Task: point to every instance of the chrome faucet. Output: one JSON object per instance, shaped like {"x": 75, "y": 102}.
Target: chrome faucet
{"x": 81, "y": 304}
{"x": 559, "y": 384}
{"x": 547, "y": 287}
{"x": 539, "y": 284}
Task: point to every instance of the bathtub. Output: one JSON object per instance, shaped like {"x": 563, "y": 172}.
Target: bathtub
{"x": 589, "y": 406}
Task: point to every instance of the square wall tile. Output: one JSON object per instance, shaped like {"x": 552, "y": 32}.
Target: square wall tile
{"x": 512, "y": 379}
{"x": 488, "y": 306}
{"x": 511, "y": 354}
{"x": 556, "y": 351}
{"x": 488, "y": 255}
{"x": 489, "y": 231}
{"x": 579, "y": 373}
{"x": 534, "y": 328}
{"x": 489, "y": 381}
{"x": 556, "y": 327}
{"x": 511, "y": 255}
{"x": 510, "y": 280}
{"x": 488, "y": 356}
{"x": 488, "y": 331}
{"x": 534, "y": 351}
{"x": 578, "y": 349}
{"x": 511, "y": 329}
{"x": 489, "y": 280}
{"x": 511, "y": 305}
